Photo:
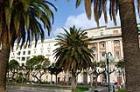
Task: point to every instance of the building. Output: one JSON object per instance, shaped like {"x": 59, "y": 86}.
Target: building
{"x": 105, "y": 40}
{"x": 22, "y": 55}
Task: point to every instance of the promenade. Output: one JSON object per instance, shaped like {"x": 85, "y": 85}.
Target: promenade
{"x": 33, "y": 89}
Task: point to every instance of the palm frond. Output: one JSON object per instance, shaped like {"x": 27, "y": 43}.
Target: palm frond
{"x": 100, "y": 8}
{"x": 73, "y": 52}
{"x": 22, "y": 21}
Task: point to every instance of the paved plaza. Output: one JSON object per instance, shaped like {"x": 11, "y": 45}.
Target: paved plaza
{"x": 43, "y": 89}
{"x": 33, "y": 89}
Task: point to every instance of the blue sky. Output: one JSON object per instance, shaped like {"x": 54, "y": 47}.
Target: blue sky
{"x": 67, "y": 15}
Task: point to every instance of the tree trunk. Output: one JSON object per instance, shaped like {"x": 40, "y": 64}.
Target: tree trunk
{"x": 91, "y": 80}
{"x": 73, "y": 82}
{"x": 56, "y": 78}
{"x": 51, "y": 79}
{"x": 4, "y": 58}
{"x": 96, "y": 82}
{"x": 85, "y": 77}
{"x": 130, "y": 45}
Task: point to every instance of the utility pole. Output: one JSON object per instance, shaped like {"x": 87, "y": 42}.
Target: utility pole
{"x": 108, "y": 75}
{"x": 108, "y": 56}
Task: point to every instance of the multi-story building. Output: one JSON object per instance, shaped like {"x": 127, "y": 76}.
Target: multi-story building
{"x": 22, "y": 55}
{"x": 105, "y": 40}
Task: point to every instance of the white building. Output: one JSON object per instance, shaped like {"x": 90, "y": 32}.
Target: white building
{"x": 105, "y": 40}
{"x": 22, "y": 55}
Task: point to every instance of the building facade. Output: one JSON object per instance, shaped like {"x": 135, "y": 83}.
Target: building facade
{"x": 22, "y": 55}
{"x": 105, "y": 40}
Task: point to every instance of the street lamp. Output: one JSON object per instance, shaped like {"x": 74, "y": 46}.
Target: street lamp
{"x": 108, "y": 58}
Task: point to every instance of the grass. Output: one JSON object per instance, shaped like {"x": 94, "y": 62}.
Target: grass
{"x": 81, "y": 89}
{"x": 122, "y": 90}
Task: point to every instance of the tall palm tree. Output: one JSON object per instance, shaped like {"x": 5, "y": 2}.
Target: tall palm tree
{"x": 73, "y": 54}
{"x": 129, "y": 32}
{"x": 21, "y": 20}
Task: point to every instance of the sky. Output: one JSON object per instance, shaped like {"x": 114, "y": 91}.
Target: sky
{"x": 68, "y": 15}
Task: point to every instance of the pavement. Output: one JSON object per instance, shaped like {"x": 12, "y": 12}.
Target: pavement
{"x": 99, "y": 89}
{"x": 33, "y": 89}
{"x": 43, "y": 89}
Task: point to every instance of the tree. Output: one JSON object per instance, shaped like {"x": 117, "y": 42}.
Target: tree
{"x": 20, "y": 20}
{"x": 37, "y": 67}
{"x": 73, "y": 54}
{"x": 99, "y": 68}
{"x": 53, "y": 69}
{"x": 129, "y": 33}
{"x": 121, "y": 69}
{"x": 13, "y": 67}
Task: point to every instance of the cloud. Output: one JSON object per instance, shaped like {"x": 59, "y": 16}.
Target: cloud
{"x": 81, "y": 21}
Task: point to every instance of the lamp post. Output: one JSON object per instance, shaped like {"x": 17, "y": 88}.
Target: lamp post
{"x": 108, "y": 56}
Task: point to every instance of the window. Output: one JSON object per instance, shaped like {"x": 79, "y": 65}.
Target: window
{"x": 115, "y": 32}
{"x": 102, "y": 44}
{"x": 18, "y": 53}
{"x": 28, "y": 58}
{"x": 18, "y": 58}
{"x": 23, "y": 59}
{"x": 103, "y": 54}
{"x": 41, "y": 51}
{"x": 117, "y": 54}
{"x": 23, "y": 52}
{"x": 116, "y": 43}
{"x": 29, "y": 52}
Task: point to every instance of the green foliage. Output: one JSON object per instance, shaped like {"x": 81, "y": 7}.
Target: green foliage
{"x": 20, "y": 78}
{"x": 13, "y": 65}
{"x": 81, "y": 89}
{"x": 23, "y": 20}
{"x": 101, "y": 64}
{"x": 120, "y": 64}
{"x": 37, "y": 62}
{"x": 122, "y": 90}
{"x": 53, "y": 69}
{"x": 73, "y": 53}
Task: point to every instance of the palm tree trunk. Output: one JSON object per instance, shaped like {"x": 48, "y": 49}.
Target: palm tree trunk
{"x": 130, "y": 45}
{"x": 73, "y": 82}
{"x": 4, "y": 58}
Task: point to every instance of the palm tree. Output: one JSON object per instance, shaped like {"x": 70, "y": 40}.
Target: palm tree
{"x": 21, "y": 20}
{"x": 129, "y": 32}
{"x": 73, "y": 54}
